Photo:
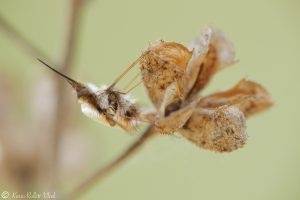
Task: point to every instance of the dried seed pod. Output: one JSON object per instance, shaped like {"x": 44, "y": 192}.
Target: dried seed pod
{"x": 221, "y": 129}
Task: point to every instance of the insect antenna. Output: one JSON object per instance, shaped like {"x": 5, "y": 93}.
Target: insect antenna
{"x": 70, "y": 80}
{"x": 126, "y": 71}
{"x": 133, "y": 87}
{"x": 131, "y": 81}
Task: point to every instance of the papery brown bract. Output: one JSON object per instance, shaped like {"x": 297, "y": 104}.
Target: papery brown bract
{"x": 220, "y": 54}
{"x": 163, "y": 64}
{"x": 249, "y": 95}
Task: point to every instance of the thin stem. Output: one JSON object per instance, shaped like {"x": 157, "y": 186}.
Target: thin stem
{"x": 99, "y": 175}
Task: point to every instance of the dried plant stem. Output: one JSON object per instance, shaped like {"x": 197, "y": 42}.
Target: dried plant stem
{"x": 89, "y": 182}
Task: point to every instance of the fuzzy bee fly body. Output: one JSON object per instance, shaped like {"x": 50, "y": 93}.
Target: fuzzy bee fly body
{"x": 104, "y": 104}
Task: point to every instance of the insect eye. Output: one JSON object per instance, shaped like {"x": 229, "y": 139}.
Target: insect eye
{"x": 128, "y": 113}
{"x": 112, "y": 100}
{"x": 131, "y": 111}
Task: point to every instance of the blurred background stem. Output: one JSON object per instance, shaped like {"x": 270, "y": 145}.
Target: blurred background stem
{"x": 21, "y": 41}
{"x": 99, "y": 175}
{"x": 61, "y": 108}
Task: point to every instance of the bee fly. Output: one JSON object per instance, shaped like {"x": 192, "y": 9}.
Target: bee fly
{"x": 106, "y": 104}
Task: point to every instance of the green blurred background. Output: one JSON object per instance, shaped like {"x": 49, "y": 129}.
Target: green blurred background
{"x": 114, "y": 33}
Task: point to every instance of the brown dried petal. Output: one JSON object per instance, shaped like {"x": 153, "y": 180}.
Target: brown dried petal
{"x": 199, "y": 47}
{"x": 251, "y": 96}
{"x": 222, "y": 129}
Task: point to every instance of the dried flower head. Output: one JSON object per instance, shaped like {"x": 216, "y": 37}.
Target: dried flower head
{"x": 174, "y": 75}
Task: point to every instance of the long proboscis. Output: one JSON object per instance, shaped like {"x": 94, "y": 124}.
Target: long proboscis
{"x": 70, "y": 80}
